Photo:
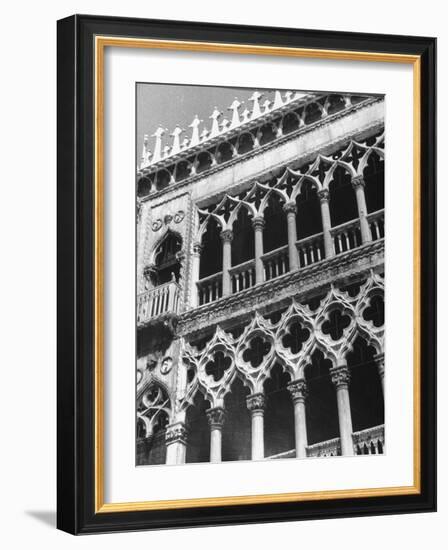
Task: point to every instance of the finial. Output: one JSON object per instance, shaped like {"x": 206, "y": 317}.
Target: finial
{"x": 158, "y": 147}
{"x": 288, "y": 96}
{"x": 278, "y": 101}
{"x": 204, "y": 134}
{"x": 266, "y": 106}
{"x": 215, "y": 124}
{"x": 166, "y": 151}
{"x": 224, "y": 125}
{"x": 146, "y": 153}
{"x": 195, "y": 132}
{"x": 245, "y": 114}
{"x": 235, "y": 116}
{"x": 176, "y": 141}
{"x": 185, "y": 143}
{"x": 256, "y": 111}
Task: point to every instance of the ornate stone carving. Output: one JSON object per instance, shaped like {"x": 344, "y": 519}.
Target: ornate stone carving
{"x": 156, "y": 225}
{"x": 227, "y": 235}
{"x": 167, "y": 364}
{"x": 179, "y": 216}
{"x": 340, "y": 376}
{"x": 216, "y": 417}
{"x": 197, "y": 248}
{"x": 298, "y": 390}
{"x": 290, "y": 207}
{"x": 256, "y": 402}
{"x": 258, "y": 222}
{"x": 324, "y": 195}
{"x": 358, "y": 181}
{"x": 176, "y": 433}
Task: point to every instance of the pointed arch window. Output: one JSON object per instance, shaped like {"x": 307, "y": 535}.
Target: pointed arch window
{"x": 166, "y": 260}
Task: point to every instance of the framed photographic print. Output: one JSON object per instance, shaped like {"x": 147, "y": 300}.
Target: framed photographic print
{"x": 246, "y": 267}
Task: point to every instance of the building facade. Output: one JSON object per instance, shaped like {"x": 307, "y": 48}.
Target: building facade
{"x": 260, "y": 283}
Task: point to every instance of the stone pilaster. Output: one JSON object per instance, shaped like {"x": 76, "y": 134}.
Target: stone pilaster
{"x": 258, "y": 224}
{"x": 227, "y": 238}
{"x": 324, "y": 198}
{"x": 358, "y": 185}
{"x": 291, "y": 213}
{"x": 256, "y": 404}
{"x": 340, "y": 377}
{"x": 216, "y": 417}
{"x": 298, "y": 392}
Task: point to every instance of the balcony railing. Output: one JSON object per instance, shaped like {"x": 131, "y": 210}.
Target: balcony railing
{"x": 160, "y": 300}
{"x": 369, "y": 441}
{"x": 346, "y": 236}
{"x": 276, "y": 263}
{"x": 310, "y": 250}
{"x": 366, "y": 442}
{"x": 376, "y": 223}
{"x": 210, "y": 288}
{"x": 242, "y": 276}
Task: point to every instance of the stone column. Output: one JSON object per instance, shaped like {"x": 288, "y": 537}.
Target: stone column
{"x": 291, "y": 212}
{"x": 226, "y": 237}
{"x": 358, "y": 186}
{"x": 176, "y": 443}
{"x": 258, "y": 224}
{"x": 215, "y": 418}
{"x": 324, "y": 197}
{"x": 379, "y": 359}
{"x": 255, "y": 404}
{"x": 195, "y": 265}
{"x": 340, "y": 377}
{"x": 298, "y": 392}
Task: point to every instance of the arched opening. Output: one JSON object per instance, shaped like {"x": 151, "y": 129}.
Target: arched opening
{"x": 290, "y": 123}
{"x": 321, "y": 405}
{"x": 268, "y": 133}
{"x": 224, "y": 152}
{"x": 335, "y": 103}
{"x": 198, "y": 430}
{"x": 211, "y": 255}
{"x": 167, "y": 264}
{"x": 163, "y": 178}
{"x": 183, "y": 170}
{"x": 374, "y": 182}
{"x": 366, "y": 396}
{"x": 243, "y": 245}
{"x": 144, "y": 186}
{"x": 245, "y": 143}
{"x": 151, "y": 447}
{"x": 308, "y": 219}
{"x": 236, "y": 432}
{"x": 343, "y": 206}
{"x": 313, "y": 113}
{"x": 204, "y": 162}
{"x": 279, "y": 413}
{"x": 275, "y": 232}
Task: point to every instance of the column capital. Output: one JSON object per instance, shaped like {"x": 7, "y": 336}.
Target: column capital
{"x": 176, "y": 433}
{"x": 324, "y": 195}
{"x": 226, "y": 235}
{"x": 258, "y": 222}
{"x": 340, "y": 376}
{"x": 216, "y": 417}
{"x": 290, "y": 207}
{"x": 298, "y": 390}
{"x": 197, "y": 248}
{"x": 358, "y": 181}
{"x": 256, "y": 402}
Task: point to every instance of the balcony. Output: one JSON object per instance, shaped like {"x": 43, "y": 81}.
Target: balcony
{"x": 345, "y": 237}
{"x": 157, "y": 302}
{"x": 366, "y": 442}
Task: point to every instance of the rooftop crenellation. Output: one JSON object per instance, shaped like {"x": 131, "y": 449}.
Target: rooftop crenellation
{"x": 240, "y": 114}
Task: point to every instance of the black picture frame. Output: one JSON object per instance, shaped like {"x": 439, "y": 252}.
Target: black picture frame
{"x": 76, "y": 511}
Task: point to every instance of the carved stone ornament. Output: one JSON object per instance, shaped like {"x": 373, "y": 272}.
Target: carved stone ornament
{"x": 258, "y": 222}
{"x": 176, "y": 433}
{"x": 298, "y": 390}
{"x": 167, "y": 365}
{"x": 216, "y": 417}
{"x": 255, "y": 402}
{"x": 179, "y": 216}
{"x": 358, "y": 181}
{"x": 156, "y": 225}
{"x": 227, "y": 235}
{"x": 340, "y": 376}
{"x": 290, "y": 207}
{"x": 323, "y": 195}
{"x": 168, "y": 219}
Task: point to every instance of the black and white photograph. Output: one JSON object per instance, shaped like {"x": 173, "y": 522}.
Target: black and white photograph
{"x": 259, "y": 274}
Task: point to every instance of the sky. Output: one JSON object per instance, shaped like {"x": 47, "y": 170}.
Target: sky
{"x": 168, "y": 105}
